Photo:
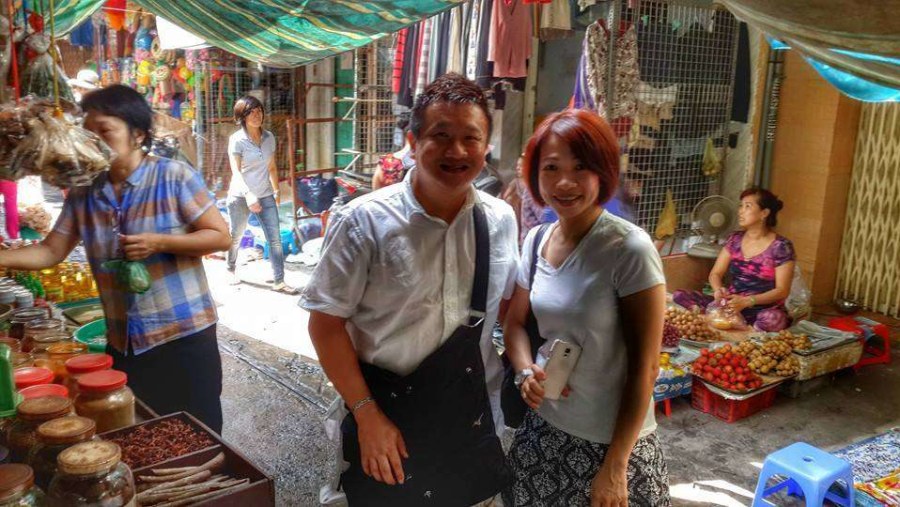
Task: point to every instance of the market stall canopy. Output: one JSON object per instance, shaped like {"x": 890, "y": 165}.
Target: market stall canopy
{"x": 277, "y": 33}
{"x": 172, "y": 36}
{"x": 855, "y": 44}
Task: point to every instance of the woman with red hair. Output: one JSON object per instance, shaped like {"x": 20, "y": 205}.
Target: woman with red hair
{"x": 598, "y": 283}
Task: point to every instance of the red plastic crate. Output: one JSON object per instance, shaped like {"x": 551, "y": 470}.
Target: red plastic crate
{"x": 727, "y": 410}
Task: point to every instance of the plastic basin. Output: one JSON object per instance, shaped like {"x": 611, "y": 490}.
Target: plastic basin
{"x": 93, "y": 334}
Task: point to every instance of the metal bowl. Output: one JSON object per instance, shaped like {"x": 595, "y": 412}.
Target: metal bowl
{"x": 846, "y": 306}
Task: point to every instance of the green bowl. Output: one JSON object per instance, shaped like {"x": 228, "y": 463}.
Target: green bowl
{"x": 93, "y": 334}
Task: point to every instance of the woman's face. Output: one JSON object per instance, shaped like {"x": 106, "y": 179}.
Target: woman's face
{"x": 750, "y": 214}
{"x": 114, "y": 132}
{"x": 255, "y": 118}
{"x": 566, "y": 185}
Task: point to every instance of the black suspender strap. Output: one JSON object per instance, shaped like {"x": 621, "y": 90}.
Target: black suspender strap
{"x": 482, "y": 267}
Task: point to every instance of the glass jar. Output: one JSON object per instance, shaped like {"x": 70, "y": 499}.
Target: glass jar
{"x": 59, "y": 353}
{"x": 91, "y": 474}
{"x": 81, "y": 365}
{"x": 23, "y": 316}
{"x": 17, "y": 487}
{"x": 44, "y": 390}
{"x": 21, "y": 359}
{"x": 104, "y": 397}
{"x": 22, "y": 434}
{"x": 36, "y": 330}
{"x": 53, "y": 438}
{"x": 32, "y": 376}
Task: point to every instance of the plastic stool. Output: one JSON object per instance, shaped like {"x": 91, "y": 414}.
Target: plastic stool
{"x": 868, "y": 331}
{"x": 810, "y": 472}
{"x": 288, "y": 245}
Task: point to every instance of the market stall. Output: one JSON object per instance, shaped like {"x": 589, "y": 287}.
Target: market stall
{"x": 734, "y": 373}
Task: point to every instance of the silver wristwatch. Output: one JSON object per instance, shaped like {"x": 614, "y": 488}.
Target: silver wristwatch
{"x": 521, "y": 376}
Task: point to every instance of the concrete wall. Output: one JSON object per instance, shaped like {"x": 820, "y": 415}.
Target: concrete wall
{"x": 812, "y": 162}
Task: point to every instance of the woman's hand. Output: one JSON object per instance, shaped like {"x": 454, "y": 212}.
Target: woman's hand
{"x": 720, "y": 293}
{"x": 140, "y": 246}
{"x": 533, "y": 390}
{"x": 737, "y": 302}
{"x": 610, "y": 486}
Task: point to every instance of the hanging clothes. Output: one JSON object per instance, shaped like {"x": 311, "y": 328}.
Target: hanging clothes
{"x": 627, "y": 72}
{"x": 556, "y": 20}
{"x": 454, "y": 52}
{"x": 399, "y": 53}
{"x": 424, "y": 56}
{"x": 484, "y": 68}
{"x": 510, "y": 38}
{"x": 443, "y": 50}
{"x": 473, "y": 23}
{"x": 410, "y": 58}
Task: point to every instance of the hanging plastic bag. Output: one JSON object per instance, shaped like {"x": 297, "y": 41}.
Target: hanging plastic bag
{"x": 798, "y": 303}
{"x": 38, "y": 76}
{"x": 712, "y": 163}
{"x": 317, "y": 193}
{"x": 721, "y": 316}
{"x": 131, "y": 276}
{"x": 668, "y": 219}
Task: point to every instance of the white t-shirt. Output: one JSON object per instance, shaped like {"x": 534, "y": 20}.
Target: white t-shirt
{"x": 578, "y": 303}
{"x": 403, "y": 279}
{"x": 255, "y": 160}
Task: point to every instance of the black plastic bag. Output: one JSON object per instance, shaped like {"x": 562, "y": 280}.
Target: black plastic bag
{"x": 317, "y": 193}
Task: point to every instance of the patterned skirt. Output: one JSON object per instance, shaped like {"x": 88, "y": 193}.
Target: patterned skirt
{"x": 553, "y": 468}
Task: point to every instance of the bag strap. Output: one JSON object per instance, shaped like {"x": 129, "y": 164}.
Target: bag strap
{"x": 538, "y": 237}
{"x": 478, "y": 308}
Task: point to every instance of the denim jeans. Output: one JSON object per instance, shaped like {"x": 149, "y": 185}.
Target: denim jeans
{"x": 239, "y": 213}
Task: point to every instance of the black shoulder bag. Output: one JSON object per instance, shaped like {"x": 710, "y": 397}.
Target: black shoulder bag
{"x": 514, "y": 407}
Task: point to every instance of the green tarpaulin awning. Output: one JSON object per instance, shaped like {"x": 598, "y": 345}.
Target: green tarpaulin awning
{"x": 277, "y": 33}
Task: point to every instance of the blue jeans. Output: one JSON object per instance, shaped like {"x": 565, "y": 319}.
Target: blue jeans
{"x": 239, "y": 213}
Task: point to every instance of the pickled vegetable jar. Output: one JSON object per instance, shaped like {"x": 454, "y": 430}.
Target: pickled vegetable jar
{"x": 104, "y": 397}
{"x": 17, "y": 487}
{"x": 54, "y": 437}
{"x": 91, "y": 474}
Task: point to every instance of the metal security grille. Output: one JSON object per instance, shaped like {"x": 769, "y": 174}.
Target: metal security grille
{"x": 373, "y": 126}
{"x": 678, "y": 134}
{"x": 215, "y": 119}
{"x": 869, "y": 270}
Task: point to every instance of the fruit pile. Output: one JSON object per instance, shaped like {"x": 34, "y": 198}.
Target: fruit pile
{"x": 773, "y": 357}
{"x": 726, "y": 368}
{"x": 671, "y": 336}
{"x": 691, "y": 325}
{"x": 667, "y": 369}
{"x": 796, "y": 341}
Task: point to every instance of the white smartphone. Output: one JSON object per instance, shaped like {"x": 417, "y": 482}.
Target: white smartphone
{"x": 558, "y": 365}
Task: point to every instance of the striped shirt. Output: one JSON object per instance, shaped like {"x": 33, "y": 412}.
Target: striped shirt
{"x": 160, "y": 196}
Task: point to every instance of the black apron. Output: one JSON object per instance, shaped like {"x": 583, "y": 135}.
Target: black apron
{"x": 443, "y": 411}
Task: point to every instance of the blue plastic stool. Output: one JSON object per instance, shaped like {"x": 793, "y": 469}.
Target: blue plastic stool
{"x": 809, "y": 472}
{"x": 288, "y": 245}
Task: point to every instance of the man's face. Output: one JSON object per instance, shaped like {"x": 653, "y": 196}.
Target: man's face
{"x": 451, "y": 145}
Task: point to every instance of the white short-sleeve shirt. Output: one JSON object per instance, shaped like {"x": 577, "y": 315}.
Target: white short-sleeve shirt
{"x": 579, "y": 303}
{"x": 403, "y": 279}
{"x": 255, "y": 160}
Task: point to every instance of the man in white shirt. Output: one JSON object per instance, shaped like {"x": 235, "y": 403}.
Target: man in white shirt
{"x": 402, "y": 306}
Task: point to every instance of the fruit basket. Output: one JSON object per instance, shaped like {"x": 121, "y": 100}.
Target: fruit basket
{"x": 727, "y": 409}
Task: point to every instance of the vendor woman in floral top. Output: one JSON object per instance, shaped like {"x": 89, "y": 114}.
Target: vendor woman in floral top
{"x": 760, "y": 263}
{"x": 159, "y": 212}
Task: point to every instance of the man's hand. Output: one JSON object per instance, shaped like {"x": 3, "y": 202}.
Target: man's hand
{"x": 381, "y": 446}
{"x": 140, "y": 246}
{"x": 256, "y": 207}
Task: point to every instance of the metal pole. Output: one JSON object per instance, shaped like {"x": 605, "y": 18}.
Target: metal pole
{"x": 774, "y": 78}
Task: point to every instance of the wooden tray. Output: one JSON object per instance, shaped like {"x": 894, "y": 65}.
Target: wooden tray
{"x": 260, "y": 491}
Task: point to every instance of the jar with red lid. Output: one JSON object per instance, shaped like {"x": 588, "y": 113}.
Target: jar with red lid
{"x": 22, "y": 434}
{"x": 104, "y": 397}
{"x": 32, "y": 376}
{"x": 53, "y": 438}
{"x": 79, "y": 366}
{"x": 17, "y": 487}
{"x": 58, "y": 354}
{"x": 44, "y": 390}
